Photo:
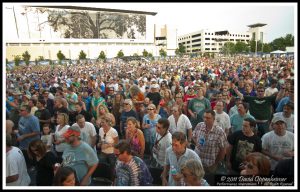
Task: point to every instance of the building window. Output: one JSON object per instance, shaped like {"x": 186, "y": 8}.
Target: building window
{"x": 196, "y": 45}
{"x": 207, "y": 43}
{"x": 207, "y": 38}
{"x": 207, "y": 49}
{"x": 197, "y": 35}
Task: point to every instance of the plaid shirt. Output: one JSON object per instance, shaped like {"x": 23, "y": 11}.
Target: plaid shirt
{"x": 208, "y": 145}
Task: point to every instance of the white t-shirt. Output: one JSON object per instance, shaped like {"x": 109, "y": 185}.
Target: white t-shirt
{"x": 270, "y": 91}
{"x": 89, "y": 131}
{"x": 109, "y": 138}
{"x": 222, "y": 120}
{"x": 59, "y": 135}
{"x": 289, "y": 121}
{"x": 162, "y": 145}
{"x": 15, "y": 164}
{"x": 183, "y": 124}
{"x": 277, "y": 145}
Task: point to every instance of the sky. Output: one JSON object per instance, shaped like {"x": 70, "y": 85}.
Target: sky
{"x": 235, "y": 17}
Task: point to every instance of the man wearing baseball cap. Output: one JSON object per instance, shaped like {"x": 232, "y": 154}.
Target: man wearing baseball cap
{"x": 79, "y": 155}
{"x": 279, "y": 143}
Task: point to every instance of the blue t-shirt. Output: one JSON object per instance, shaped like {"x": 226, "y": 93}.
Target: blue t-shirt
{"x": 27, "y": 125}
{"x": 80, "y": 158}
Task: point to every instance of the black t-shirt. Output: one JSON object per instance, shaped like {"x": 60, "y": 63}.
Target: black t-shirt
{"x": 154, "y": 97}
{"x": 42, "y": 114}
{"x": 242, "y": 145}
{"x": 45, "y": 174}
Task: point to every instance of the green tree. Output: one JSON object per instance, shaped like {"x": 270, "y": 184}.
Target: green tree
{"x": 41, "y": 58}
{"x": 241, "y": 47}
{"x": 102, "y": 56}
{"x": 267, "y": 48}
{"x": 17, "y": 60}
{"x": 145, "y": 53}
{"x": 82, "y": 55}
{"x": 228, "y": 48}
{"x": 162, "y": 53}
{"x": 180, "y": 50}
{"x": 26, "y": 57}
{"x": 289, "y": 40}
{"x": 120, "y": 54}
{"x": 60, "y": 56}
{"x": 150, "y": 55}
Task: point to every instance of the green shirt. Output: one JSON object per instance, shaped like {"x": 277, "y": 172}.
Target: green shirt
{"x": 260, "y": 108}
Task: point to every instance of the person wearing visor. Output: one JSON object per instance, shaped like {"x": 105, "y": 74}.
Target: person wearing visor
{"x": 79, "y": 155}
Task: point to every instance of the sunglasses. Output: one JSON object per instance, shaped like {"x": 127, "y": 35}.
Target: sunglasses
{"x": 126, "y": 103}
{"x": 150, "y": 109}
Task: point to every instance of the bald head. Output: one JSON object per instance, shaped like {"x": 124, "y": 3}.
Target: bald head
{"x": 9, "y": 126}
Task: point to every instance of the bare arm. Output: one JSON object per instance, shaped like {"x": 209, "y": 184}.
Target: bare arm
{"x": 12, "y": 178}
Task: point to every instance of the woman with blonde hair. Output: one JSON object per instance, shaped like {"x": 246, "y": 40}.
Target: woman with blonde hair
{"x": 135, "y": 137}
{"x": 102, "y": 111}
{"x": 58, "y": 138}
{"x": 108, "y": 137}
{"x": 149, "y": 123}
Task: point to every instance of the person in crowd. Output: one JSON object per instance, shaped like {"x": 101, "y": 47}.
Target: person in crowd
{"x": 45, "y": 161}
{"x": 197, "y": 106}
{"x": 42, "y": 113}
{"x": 241, "y": 143}
{"x": 80, "y": 156}
{"x": 137, "y": 97}
{"x": 256, "y": 164}
{"x": 177, "y": 155}
{"x": 130, "y": 169}
{"x": 154, "y": 95}
{"x": 128, "y": 111}
{"x": 29, "y": 130}
{"x": 210, "y": 141}
{"x": 163, "y": 140}
{"x": 59, "y": 108}
{"x": 149, "y": 123}
{"x": 32, "y": 103}
{"x": 58, "y": 139}
{"x": 65, "y": 176}
{"x": 117, "y": 109}
{"x": 88, "y": 131}
{"x": 16, "y": 169}
{"x": 180, "y": 103}
{"x": 222, "y": 119}
{"x": 180, "y": 122}
{"x": 260, "y": 108}
{"x": 193, "y": 173}
{"x": 279, "y": 143}
{"x": 287, "y": 115}
{"x": 108, "y": 137}
{"x": 79, "y": 110}
{"x": 95, "y": 102}
{"x": 102, "y": 110}
{"x": 47, "y": 136}
{"x": 236, "y": 120}
{"x": 135, "y": 137}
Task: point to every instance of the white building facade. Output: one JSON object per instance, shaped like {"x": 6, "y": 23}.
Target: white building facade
{"x": 211, "y": 41}
{"x": 46, "y": 30}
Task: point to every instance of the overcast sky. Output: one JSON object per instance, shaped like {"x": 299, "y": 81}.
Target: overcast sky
{"x": 189, "y": 17}
{"x": 234, "y": 17}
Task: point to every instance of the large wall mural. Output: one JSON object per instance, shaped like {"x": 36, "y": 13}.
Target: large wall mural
{"x": 83, "y": 24}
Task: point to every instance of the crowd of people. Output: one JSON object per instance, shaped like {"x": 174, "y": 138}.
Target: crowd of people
{"x": 173, "y": 122}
